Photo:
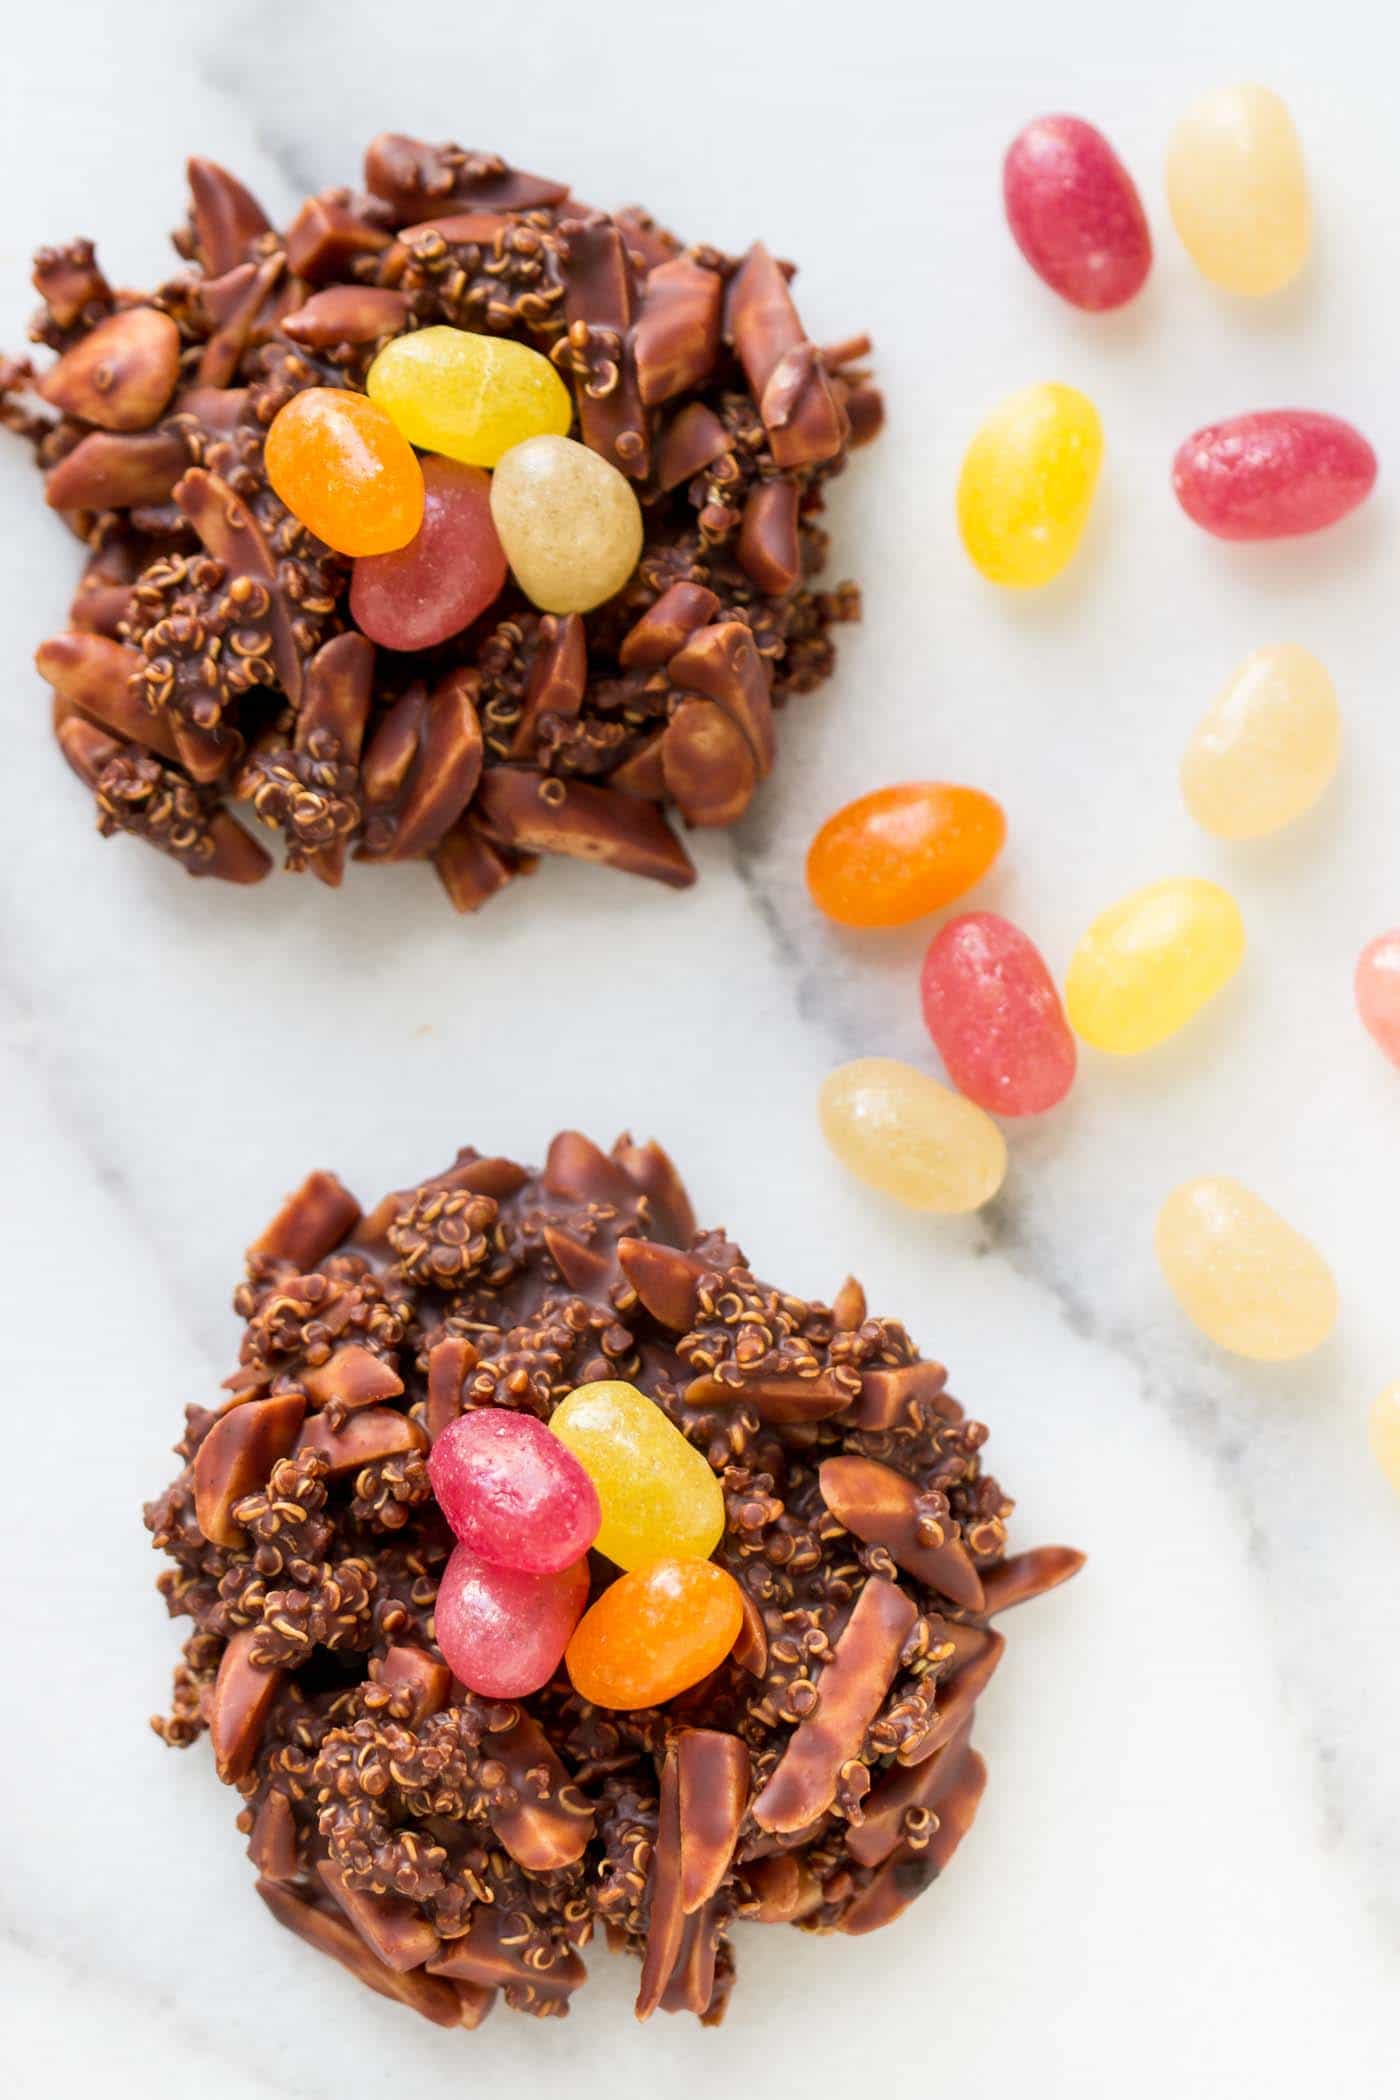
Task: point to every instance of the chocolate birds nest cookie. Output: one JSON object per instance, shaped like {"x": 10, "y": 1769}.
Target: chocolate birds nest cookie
{"x": 448, "y": 1847}
{"x": 213, "y": 657}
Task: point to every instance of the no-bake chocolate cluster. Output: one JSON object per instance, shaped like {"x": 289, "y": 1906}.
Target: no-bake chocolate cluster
{"x": 449, "y": 1849}
{"x": 212, "y": 661}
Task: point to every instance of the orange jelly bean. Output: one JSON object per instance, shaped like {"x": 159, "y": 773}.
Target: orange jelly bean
{"x": 903, "y": 852}
{"x": 657, "y": 1630}
{"x": 340, "y": 465}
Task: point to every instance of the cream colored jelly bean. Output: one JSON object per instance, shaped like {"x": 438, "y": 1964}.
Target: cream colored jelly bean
{"x": 571, "y": 525}
{"x": 1266, "y": 748}
{"x": 1385, "y": 1433}
{"x": 1238, "y": 190}
{"x": 1027, "y": 484}
{"x": 1150, "y": 962}
{"x": 1242, "y": 1273}
{"x": 902, "y": 1132}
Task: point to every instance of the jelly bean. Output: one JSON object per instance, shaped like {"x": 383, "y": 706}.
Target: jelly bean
{"x": 470, "y": 397}
{"x": 1378, "y": 991}
{"x": 1151, "y": 961}
{"x": 656, "y": 1632}
{"x": 1075, "y": 213}
{"x": 571, "y": 525}
{"x": 339, "y": 465}
{"x": 501, "y": 1631}
{"x": 1242, "y": 1274}
{"x": 1385, "y": 1433}
{"x": 1238, "y": 191}
{"x": 449, "y": 572}
{"x": 995, "y": 1016}
{"x": 512, "y": 1493}
{"x": 901, "y": 1132}
{"x": 1273, "y": 475}
{"x": 1266, "y": 747}
{"x": 657, "y": 1493}
{"x": 902, "y": 852}
{"x": 1027, "y": 484}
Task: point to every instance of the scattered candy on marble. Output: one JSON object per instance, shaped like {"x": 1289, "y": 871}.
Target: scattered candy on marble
{"x": 1385, "y": 1433}
{"x": 502, "y": 1631}
{"x": 1266, "y": 748}
{"x": 1378, "y": 991}
{"x": 470, "y": 397}
{"x": 1151, "y": 962}
{"x": 902, "y": 852}
{"x": 1027, "y": 484}
{"x": 447, "y": 575}
{"x": 1237, "y": 189}
{"x": 657, "y": 1493}
{"x": 995, "y": 1017}
{"x": 655, "y": 1632}
{"x": 1273, "y": 474}
{"x": 1075, "y": 214}
{"x": 902, "y": 1132}
{"x": 341, "y": 467}
{"x": 570, "y": 523}
{"x": 512, "y": 1492}
{"x": 1242, "y": 1274}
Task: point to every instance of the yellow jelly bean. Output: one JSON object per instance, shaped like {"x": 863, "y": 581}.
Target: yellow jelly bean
{"x": 1385, "y": 1433}
{"x": 1242, "y": 1273}
{"x": 469, "y": 397}
{"x": 1151, "y": 961}
{"x": 1027, "y": 484}
{"x": 910, "y": 1137}
{"x": 1238, "y": 190}
{"x": 656, "y": 1491}
{"x": 571, "y": 525}
{"x": 1266, "y": 748}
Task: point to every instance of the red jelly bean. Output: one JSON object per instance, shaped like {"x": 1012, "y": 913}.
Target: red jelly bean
{"x": 1272, "y": 475}
{"x": 447, "y": 575}
{"x": 501, "y": 1631}
{"x": 513, "y": 1492}
{"x": 1378, "y": 991}
{"x": 1075, "y": 213}
{"x": 995, "y": 1016}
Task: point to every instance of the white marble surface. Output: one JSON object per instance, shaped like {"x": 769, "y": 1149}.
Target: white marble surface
{"x": 1185, "y": 1879}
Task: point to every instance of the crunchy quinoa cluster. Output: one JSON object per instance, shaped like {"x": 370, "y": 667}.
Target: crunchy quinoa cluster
{"x": 211, "y": 659}
{"x": 449, "y": 1849}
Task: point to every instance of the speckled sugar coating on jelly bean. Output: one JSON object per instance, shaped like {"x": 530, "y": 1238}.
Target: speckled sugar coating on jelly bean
{"x": 570, "y": 523}
{"x": 1273, "y": 474}
{"x": 655, "y": 1632}
{"x": 1150, "y": 962}
{"x": 447, "y": 575}
{"x": 1027, "y": 485}
{"x": 512, "y": 1492}
{"x": 470, "y": 397}
{"x": 339, "y": 465}
{"x": 657, "y": 1493}
{"x": 1378, "y": 991}
{"x": 1384, "y": 1428}
{"x": 902, "y": 852}
{"x": 995, "y": 1016}
{"x": 1075, "y": 213}
{"x": 1266, "y": 748}
{"x": 902, "y": 1132}
{"x": 1237, "y": 189}
{"x": 1242, "y": 1274}
{"x": 503, "y": 1632}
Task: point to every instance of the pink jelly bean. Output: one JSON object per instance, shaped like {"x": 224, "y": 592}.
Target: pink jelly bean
{"x": 1378, "y": 991}
{"x": 1075, "y": 213}
{"x": 501, "y": 1631}
{"x": 449, "y": 572}
{"x": 1272, "y": 475}
{"x": 995, "y": 1016}
{"x": 514, "y": 1492}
